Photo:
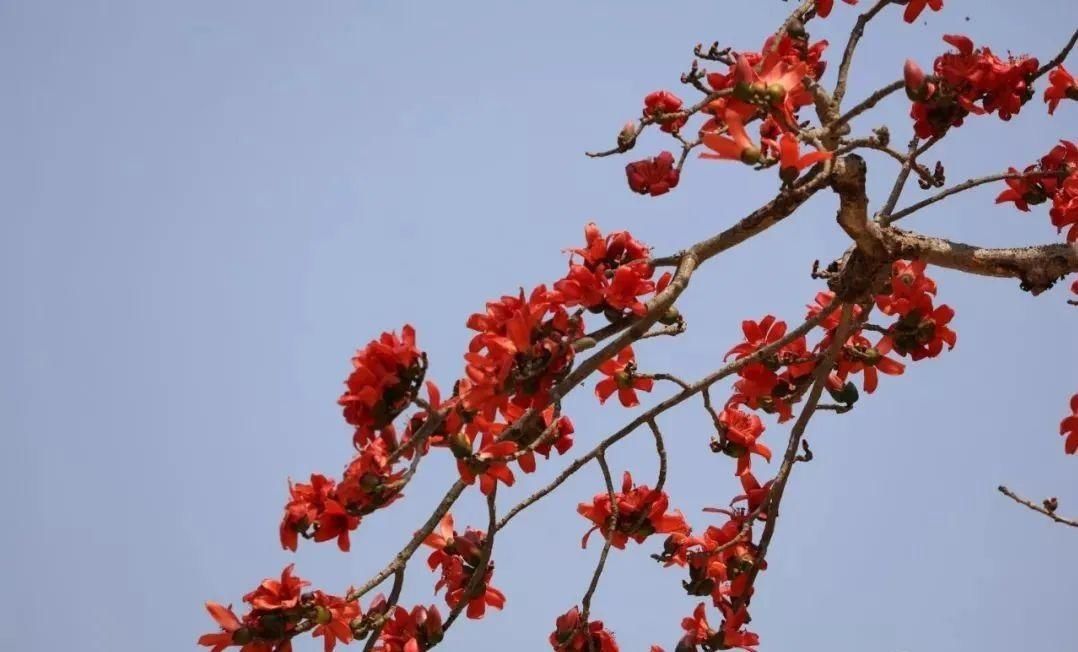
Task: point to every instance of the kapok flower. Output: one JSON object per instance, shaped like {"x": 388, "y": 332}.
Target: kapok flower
{"x": 385, "y": 376}
{"x": 791, "y": 163}
{"x": 622, "y": 378}
{"x": 915, "y": 7}
{"x": 859, "y": 356}
{"x": 417, "y": 630}
{"x": 334, "y": 617}
{"x": 316, "y": 505}
{"x": 1069, "y": 426}
{"x": 641, "y": 513}
{"x": 573, "y": 634}
{"x": 1023, "y": 190}
{"x": 758, "y": 335}
{"x": 664, "y": 102}
{"x": 233, "y": 632}
{"x": 276, "y": 595}
{"x": 654, "y": 176}
{"x": 741, "y": 431}
{"x": 922, "y": 335}
{"x": 736, "y": 146}
{"x": 1063, "y": 87}
{"x": 488, "y": 464}
{"x": 823, "y": 7}
{"x": 911, "y": 289}
{"x": 755, "y": 495}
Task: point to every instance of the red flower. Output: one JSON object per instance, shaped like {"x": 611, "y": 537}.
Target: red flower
{"x": 231, "y": 626}
{"x": 316, "y": 505}
{"x": 755, "y": 495}
{"x": 663, "y": 102}
{"x": 922, "y": 335}
{"x": 369, "y": 481}
{"x": 636, "y": 505}
{"x": 915, "y": 7}
{"x": 334, "y": 617}
{"x": 742, "y": 431}
{"x": 417, "y": 630}
{"x": 1023, "y": 191}
{"x": 274, "y": 595}
{"x": 910, "y": 289}
{"x": 1069, "y": 427}
{"x": 386, "y": 373}
{"x": 572, "y": 634}
{"x": 622, "y": 378}
{"x": 737, "y": 146}
{"x": 823, "y": 7}
{"x": 1063, "y": 87}
{"x": 488, "y": 464}
{"x": 860, "y": 357}
{"x": 758, "y": 335}
{"x": 791, "y": 163}
{"x": 1064, "y": 212}
{"x": 655, "y": 176}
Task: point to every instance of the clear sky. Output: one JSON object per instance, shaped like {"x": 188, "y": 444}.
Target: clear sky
{"x": 206, "y": 206}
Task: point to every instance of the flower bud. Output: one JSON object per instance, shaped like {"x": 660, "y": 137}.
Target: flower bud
{"x": 776, "y": 93}
{"x": 751, "y": 155}
{"x": 242, "y": 636}
{"x": 915, "y": 80}
{"x": 670, "y": 317}
{"x": 627, "y": 136}
{"x": 460, "y": 444}
{"x": 322, "y": 615}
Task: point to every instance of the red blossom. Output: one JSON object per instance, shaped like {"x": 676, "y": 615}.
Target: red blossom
{"x": 641, "y": 513}
{"x": 622, "y": 378}
{"x": 741, "y": 431}
{"x": 384, "y": 378}
{"x": 417, "y": 630}
{"x": 915, "y": 7}
{"x": 823, "y": 7}
{"x": 664, "y": 102}
{"x": 791, "y": 163}
{"x": 334, "y": 617}
{"x": 1063, "y": 86}
{"x": 655, "y": 176}
{"x": 488, "y": 464}
{"x": 573, "y": 634}
{"x": 1069, "y": 427}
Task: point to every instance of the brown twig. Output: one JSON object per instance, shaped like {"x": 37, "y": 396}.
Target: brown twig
{"x": 1037, "y": 508}
{"x": 612, "y": 524}
{"x": 482, "y": 566}
{"x": 847, "y": 56}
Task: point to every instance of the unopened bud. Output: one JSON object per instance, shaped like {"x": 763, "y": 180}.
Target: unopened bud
{"x": 322, "y": 615}
{"x": 776, "y": 93}
{"x": 583, "y": 344}
{"x": 242, "y": 636}
{"x": 750, "y": 155}
{"x": 627, "y": 136}
{"x": 671, "y": 316}
{"x": 915, "y": 80}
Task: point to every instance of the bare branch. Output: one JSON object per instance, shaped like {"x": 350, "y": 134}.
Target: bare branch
{"x": 851, "y": 45}
{"x": 1037, "y": 508}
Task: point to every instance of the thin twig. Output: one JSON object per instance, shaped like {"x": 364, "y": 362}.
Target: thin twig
{"x": 847, "y": 56}
{"x": 1059, "y": 58}
{"x": 1037, "y": 508}
{"x": 612, "y": 524}
{"x": 394, "y": 596}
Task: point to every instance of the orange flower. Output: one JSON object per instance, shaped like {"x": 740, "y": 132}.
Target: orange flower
{"x": 622, "y": 378}
{"x": 791, "y": 163}
{"x": 737, "y": 146}
{"x": 1069, "y": 428}
{"x": 1063, "y": 87}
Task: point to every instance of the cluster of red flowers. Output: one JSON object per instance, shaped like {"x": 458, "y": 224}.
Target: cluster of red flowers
{"x": 913, "y": 7}
{"x": 769, "y": 86}
{"x": 1069, "y": 428}
{"x": 417, "y": 630}
{"x": 574, "y": 634}
{"x": 921, "y": 329}
{"x": 611, "y": 275}
{"x": 621, "y": 377}
{"x": 459, "y": 556}
{"x": 1055, "y": 179}
{"x": 385, "y": 377}
{"x": 968, "y": 81}
{"x": 641, "y": 513}
{"x": 720, "y": 564}
{"x": 278, "y": 612}
{"x": 1063, "y": 87}
{"x": 772, "y": 382}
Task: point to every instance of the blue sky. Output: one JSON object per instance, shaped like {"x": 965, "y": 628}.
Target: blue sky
{"x": 205, "y": 207}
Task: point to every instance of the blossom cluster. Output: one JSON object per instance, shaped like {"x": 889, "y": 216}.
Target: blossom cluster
{"x": 910, "y": 14}
{"x": 279, "y": 610}
{"x": 641, "y": 512}
{"x": 459, "y": 557}
{"x": 971, "y": 80}
{"x": 1053, "y": 179}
